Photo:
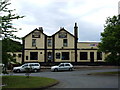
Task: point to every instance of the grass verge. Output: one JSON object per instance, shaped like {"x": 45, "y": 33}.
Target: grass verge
{"x": 23, "y": 82}
{"x": 106, "y": 73}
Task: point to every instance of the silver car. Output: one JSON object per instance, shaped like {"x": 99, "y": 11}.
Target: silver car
{"x": 62, "y": 66}
{"x": 34, "y": 67}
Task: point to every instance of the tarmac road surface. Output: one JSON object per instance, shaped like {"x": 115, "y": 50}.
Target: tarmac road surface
{"x": 79, "y": 78}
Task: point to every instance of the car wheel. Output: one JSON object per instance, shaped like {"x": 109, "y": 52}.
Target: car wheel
{"x": 35, "y": 70}
{"x": 70, "y": 69}
{"x": 18, "y": 70}
{"x": 55, "y": 69}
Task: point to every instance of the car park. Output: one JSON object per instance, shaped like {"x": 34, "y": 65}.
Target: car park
{"x": 62, "y": 66}
{"x": 32, "y": 66}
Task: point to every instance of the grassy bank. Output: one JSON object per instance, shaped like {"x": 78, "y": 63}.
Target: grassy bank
{"x": 23, "y": 82}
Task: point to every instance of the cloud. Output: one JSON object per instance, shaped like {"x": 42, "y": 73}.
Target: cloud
{"x": 53, "y": 14}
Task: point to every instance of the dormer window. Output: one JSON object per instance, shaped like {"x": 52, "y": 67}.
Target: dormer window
{"x": 36, "y": 34}
{"x": 62, "y": 35}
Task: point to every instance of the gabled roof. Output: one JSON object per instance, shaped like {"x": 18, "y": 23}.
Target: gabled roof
{"x": 33, "y": 31}
{"x": 62, "y": 29}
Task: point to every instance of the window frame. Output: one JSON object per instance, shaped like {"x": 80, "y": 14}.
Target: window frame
{"x": 99, "y": 55}
{"x": 49, "y": 42}
{"x": 58, "y": 57}
{"x": 65, "y": 42}
{"x": 65, "y": 57}
{"x": 36, "y": 34}
{"x": 26, "y": 57}
{"x": 82, "y": 57}
{"x": 33, "y": 57}
{"x": 33, "y": 42}
{"x": 14, "y": 55}
{"x": 19, "y": 55}
{"x": 62, "y": 35}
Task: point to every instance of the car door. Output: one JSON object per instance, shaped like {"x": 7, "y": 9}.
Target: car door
{"x": 61, "y": 67}
{"x": 67, "y": 66}
{"x": 24, "y": 67}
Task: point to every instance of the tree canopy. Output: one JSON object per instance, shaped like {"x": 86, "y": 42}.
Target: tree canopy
{"x": 9, "y": 45}
{"x": 7, "y": 16}
{"x": 110, "y": 41}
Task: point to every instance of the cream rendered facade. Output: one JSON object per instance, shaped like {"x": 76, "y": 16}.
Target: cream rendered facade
{"x": 17, "y": 56}
{"x": 60, "y": 47}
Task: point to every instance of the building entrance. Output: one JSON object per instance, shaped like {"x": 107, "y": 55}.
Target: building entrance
{"x": 91, "y": 56}
{"x": 49, "y": 57}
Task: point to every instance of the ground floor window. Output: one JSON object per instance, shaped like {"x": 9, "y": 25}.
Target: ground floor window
{"x": 14, "y": 55}
{"x": 83, "y": 55}
{"x": 33, "y": 55}
{"x": 57, "y": 55}
{"x": 65, "y": 55}
{"x": 99, "y": 55}
{"x": 26, "y": 57}
{"x": 50, "y": 56}
{"x": 19, "y": 55}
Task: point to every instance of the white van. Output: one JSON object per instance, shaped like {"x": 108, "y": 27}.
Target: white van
{"x": 34, "y": 67}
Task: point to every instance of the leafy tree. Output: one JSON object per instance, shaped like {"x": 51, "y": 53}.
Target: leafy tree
{"x": 110, "y": 41}
{"x": 7, "y": 16}
{"x": 8, "y": 45}
{"x": 7, "y": 29}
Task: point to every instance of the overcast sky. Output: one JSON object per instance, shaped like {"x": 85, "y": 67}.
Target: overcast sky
{"x": 90, "y": 16}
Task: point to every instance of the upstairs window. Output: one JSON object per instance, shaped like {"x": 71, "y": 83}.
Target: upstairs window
{"x": 33, "y": 42}
{"x": 65, "y": 42}
{"x": 62, "y": 35}
{"x": 49, "y": 42}
{"x": 36, "y": 35}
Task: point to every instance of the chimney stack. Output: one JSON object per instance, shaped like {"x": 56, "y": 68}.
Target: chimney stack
{"x": 76, "y": 31}
{"x": 41, "y": 29}
{"x": 76, "y": 40}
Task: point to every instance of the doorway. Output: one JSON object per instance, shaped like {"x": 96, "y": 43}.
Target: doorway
{"x": 49, "y": 56}
{"x": 91, "y": 56}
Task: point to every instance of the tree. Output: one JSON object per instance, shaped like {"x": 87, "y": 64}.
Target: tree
{"x": 110, "y": 41}
{"x": 7, "y": 29}
{"x": 7, "y": 16}
{"x": 9, "y": 45}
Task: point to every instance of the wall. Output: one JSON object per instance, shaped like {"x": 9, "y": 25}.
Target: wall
{"x": 39, "y": 41}
{"x": 40, "y": 55}
{"x": 18, "y": 59}
{"x": 59, "y": 41}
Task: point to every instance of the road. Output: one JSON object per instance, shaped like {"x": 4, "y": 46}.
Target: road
{"x": 79, "y": 78}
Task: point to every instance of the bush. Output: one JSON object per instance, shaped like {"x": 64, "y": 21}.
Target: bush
{"x": 113, "y": 59}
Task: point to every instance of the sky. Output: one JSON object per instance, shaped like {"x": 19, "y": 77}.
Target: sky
{"x": 90, "y": 16}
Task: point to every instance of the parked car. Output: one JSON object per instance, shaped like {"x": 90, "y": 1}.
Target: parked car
{"x": 33, "y": 66}
{"x": 62, "y": 66}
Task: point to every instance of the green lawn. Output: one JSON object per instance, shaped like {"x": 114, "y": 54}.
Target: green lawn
{"x": 23, "y": 82}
